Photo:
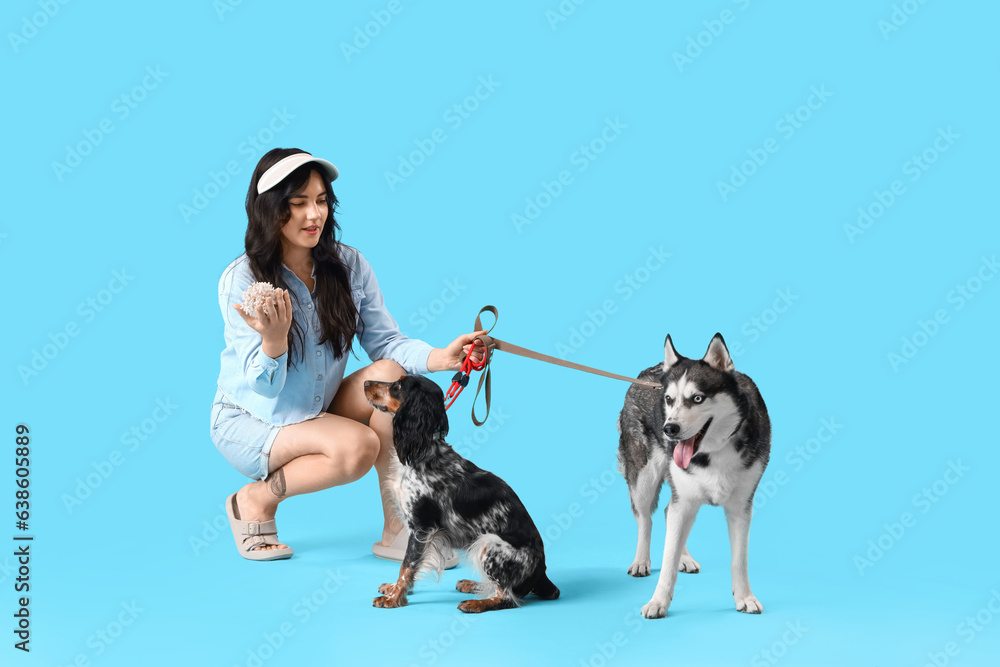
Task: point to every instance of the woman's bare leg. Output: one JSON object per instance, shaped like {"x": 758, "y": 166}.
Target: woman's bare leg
{"x": 336, "y": 448}
{"x": 350, "y": 402}
{"x": 309, "y": 456}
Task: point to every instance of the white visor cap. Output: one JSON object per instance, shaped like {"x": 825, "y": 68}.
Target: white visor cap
{"x": 285, "y": 166}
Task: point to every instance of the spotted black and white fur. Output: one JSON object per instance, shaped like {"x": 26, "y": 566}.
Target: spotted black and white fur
{"x": 447, "y": 500}
{"x": 716, "y": 412}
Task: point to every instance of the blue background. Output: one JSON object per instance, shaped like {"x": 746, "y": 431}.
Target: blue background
{"x": 828, "y": 558}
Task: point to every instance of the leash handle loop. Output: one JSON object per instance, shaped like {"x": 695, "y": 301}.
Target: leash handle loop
{"x": 488, "y": 347}
{"x": 461, "y": 379}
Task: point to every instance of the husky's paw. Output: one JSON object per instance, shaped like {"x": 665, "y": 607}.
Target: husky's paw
{"x": 655, "y": 609}
{"x": 689, "y": 565}
{"x": 639, "y": 568}
{"x": 748, "y": 604}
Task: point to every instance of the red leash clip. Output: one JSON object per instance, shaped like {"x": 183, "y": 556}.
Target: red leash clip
{"x": 461, "y": 378}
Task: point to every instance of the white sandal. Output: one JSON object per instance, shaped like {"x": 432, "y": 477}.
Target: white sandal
{"x": 397, "y": 550}
{"x": 250, "y": 536}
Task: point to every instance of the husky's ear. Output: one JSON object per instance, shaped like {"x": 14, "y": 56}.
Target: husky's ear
{"x": 717, "y": 355}
{"x": 670, "y": 356}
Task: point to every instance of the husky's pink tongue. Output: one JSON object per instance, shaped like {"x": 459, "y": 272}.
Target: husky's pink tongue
{"x": 683, "y": 451}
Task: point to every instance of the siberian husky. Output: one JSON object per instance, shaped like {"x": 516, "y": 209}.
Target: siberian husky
{"x": 707, "y": 433}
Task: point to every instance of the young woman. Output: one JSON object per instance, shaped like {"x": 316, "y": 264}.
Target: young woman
{"x": 284, "y": 414}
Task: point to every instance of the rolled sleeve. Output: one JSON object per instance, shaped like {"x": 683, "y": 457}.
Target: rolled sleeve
{"x": 264, "y": 375}
{"x": 380, "y": 335}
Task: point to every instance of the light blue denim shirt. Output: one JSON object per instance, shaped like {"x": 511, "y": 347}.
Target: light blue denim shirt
{"x": 263, "y": 387}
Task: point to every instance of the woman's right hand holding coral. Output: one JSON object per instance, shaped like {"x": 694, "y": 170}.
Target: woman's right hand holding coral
{"x": 271, "y": 320}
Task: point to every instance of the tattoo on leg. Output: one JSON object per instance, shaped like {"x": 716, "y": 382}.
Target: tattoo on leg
{"x": 276, "y": 483}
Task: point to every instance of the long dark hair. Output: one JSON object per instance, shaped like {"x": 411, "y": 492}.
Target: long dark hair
{"x": 266, "y": 214}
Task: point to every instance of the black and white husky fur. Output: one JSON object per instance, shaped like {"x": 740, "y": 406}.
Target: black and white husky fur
{"x": 446, "y": 499}
{"x": 706, "y": 431}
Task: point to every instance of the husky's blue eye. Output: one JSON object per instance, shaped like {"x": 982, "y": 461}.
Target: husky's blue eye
{"x": 697, "y": 398}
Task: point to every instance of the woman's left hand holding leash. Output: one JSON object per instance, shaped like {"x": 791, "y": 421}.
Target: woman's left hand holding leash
{"x": 450, "y": 358}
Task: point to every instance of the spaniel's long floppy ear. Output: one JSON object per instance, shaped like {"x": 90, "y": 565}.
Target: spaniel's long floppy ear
{"x": 442, "y": 427}
{"x": 420, "y": 417}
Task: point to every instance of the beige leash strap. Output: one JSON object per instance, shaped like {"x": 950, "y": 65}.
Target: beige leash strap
{"x": 490, "y": 344}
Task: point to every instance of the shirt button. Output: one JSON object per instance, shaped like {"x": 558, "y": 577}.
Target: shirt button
{"x": 319, "y": 353}
{"x": 319, "y": 377}
{"x": 317, "y": 399}
{"x": 309, "y": 306}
